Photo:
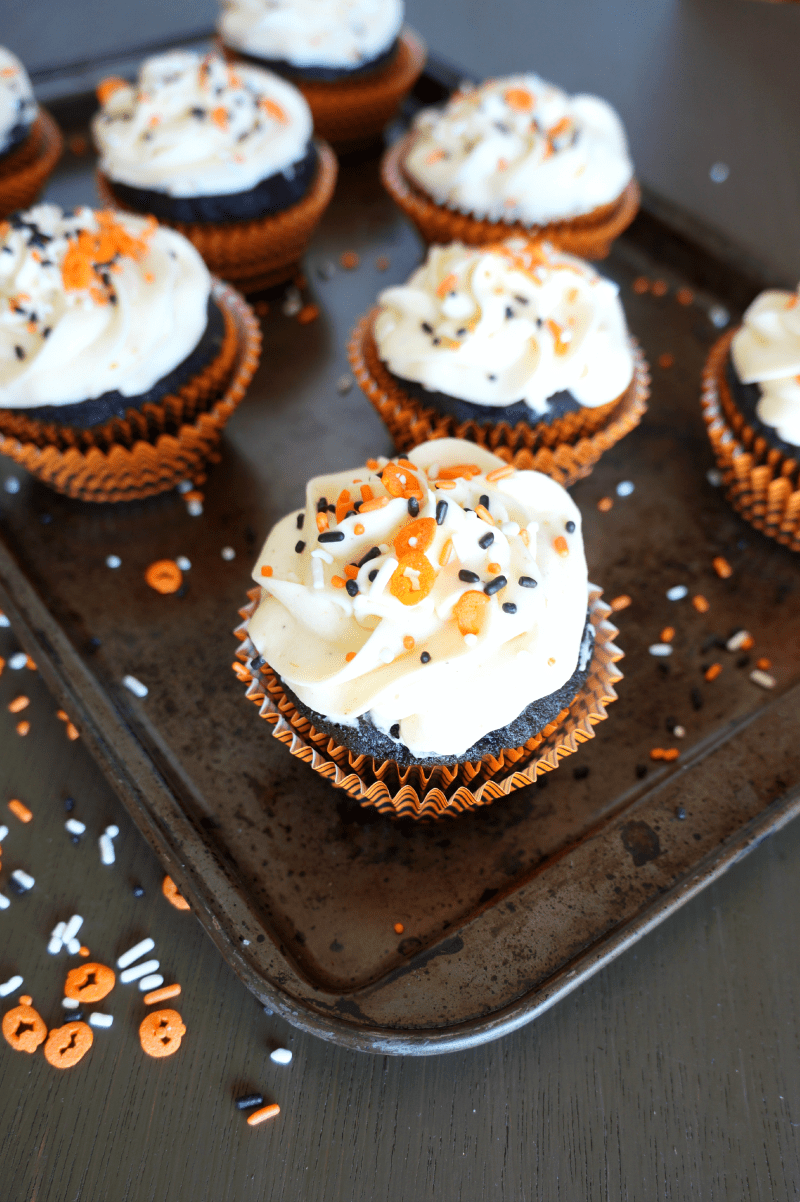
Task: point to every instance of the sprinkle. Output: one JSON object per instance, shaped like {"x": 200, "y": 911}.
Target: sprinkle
{"x": 447, "y": 485}
{"x": 266, "y": 1112}
{"x": 494, "y": 568}
{"x": 358, "y": 528}
{"x": 677, "y": 592}
{"x": 679, "y": 732}
{"x": 331, "y": 536}
{"x": 3, "y": 833}
{"x": 164, "y": 576}
{"x": 113, "y": 561}
{"x": 106, "y": 849}
{"x": 349, "y": 260}
{"x": 137, "y": 971}
{"x": 161, "y": 1032}
{"x": 625, "y": 488}
{"x": 283, "y": 1055}
{"x": 762, "y": 678}
{"x": 684, "y": 296}
{"x": 486, "y": 541}
{"x": 382, "y": 263}
{"x": 527, "y": 582}
{"x": 641, "y": 285}
{"x": 500, "y": 473}
{"x": 621, "y": 602}
{"x": 468, "y": 577}
{"x": 399, "y": 928}
{"x": 21, "y": 811}
{"x": 23, "y": 879}
{"x": 266, "y": 571}
{"x": 509, "y": 607}
{"x": 4, "y": 902}
{"x": 667, "y": 634}
{"x": 56, "y": 941}
{"x": 722, "y": 567}
{"x": 713, "y": 671}
{"x": 605, "y": 503}
{"x": 662, "y": 753}
{"x": 351, "y": 655}
{"x": 667, "y": 359}
{"x": 170, "y": 891}
{"x": 12, "y": 485}
{"x": 408, "y": 642}
{"x": 10, "y": 985}
{"x": 343, "y": 386}
{"x": 719, "y": 316}
{"x": 136, "y": 952}
{"x": 495, "y": 586}
{"x": 161, "y": 995}
{"x": 101, "y": 1020}
{"x": 307, "y": 314}
{"x": 742, "y": 640}
{"x": 71, "y": 929}
{"x": 700, "y": 603}
{"x": 74, "y": 827}
{"x": 561, "y": 546}
{"x": 4, "y": 620}
{"x": 660, "y": 649}
{"x": 337, "y": 582}
{"x": 445, "y": 553}
{"x": 151, "y": 981}
{"x": 194, "y": 508}
{"x": 18, "y": 704}
{"x": 17, "y": 661}
{"x": 72, "y": 731}
{"x": 83, "y": 951}
{"x": 247, "y": 1101}
{"x": 228, "y": 553}
{"x": 660, "y": 288}
{"x": 135, "y": 686}
{"x": 23, "y": 728}
{"x": 425, "y": 658}
{"x": 441, "y": 511}
{"x": 763, "y": 664}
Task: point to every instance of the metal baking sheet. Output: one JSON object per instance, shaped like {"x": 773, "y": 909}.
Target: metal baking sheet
{"x": 508, "y": 908}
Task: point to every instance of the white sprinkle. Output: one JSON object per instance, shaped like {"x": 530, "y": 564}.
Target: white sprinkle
{"x": 135, "y": 686}
{"x": 510, "y": 529}
{"x": 470, "y": 639}
{"x": 107, "y": 855}
{"x": 96, "y": 1019}
{"x": 185, "y": 486}
{"x": 677, "y": 592}
{"x": 23, "y": 879}
{"x": 245, "y": 943}
{"x": 714, "y": 477}
{"x": 344, "y": 384}
{"x": 73, "y": 926}
{"x": 17, "y": 661}
{"x": 4, "y": 902}
{"x": 625, "y": 488}
{"x": 113, "y": 561}
{"x": 385, "y": 572}
{"x": 763, "y": 678}
{"x": 412, "y": 542}
{"x": 10, "y": 985}
{"x": 183, "y": 563}
{"x": 56, "y": 939}
{"x": 317, "y": 574}
{"x": 152, "y": 981}
{"x": 281, "y": 1056}
{"x": 194, "y": 509}
{"x": 386, "y": 656}
{"x": 3, "y": 833}
{"x": 228, "y": 553}
{"x": 12, "y": 484}
{"x": 736, "y": 640}
{"x": 74, "y": 826}
{"x": 719, "y": 172}
{"x": 74, "y": 946}
{"x": 321, "y": 553}
{"x": 58, "y": 930}
{"x": 293, "y": 302}
{"x": 3, "y": 619}
{"x": 112, "y": 831}
{"x": 660, "y": 649}
{"x": 70, "y": 1003}
{"x": 138, "y": 970}
{"x": 679, "y": 732}
{"x": 719, "y": 316}
{"x": 433, "y": 471}
{"x": 136, "y": 952}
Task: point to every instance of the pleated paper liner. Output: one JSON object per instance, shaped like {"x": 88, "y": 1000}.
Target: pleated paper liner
{"x": 25, "y": 169}
{"x": 588, "y": 236}
{"x": 255, "y": 254}
{"x": 441, "y": 791}
{"x": 761, "y": 483}
{"x": 149, "y": 466}
{"x": 196, "y": 396}
{"x": 567, "y": 449}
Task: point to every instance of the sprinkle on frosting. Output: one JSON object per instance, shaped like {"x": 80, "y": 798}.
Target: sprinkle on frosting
{"x": 18, "y": 108}
{"x": 312, "y": 33}
{"x": 766, "y": 351}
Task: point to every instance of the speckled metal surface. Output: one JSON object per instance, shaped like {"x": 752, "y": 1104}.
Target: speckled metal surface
{"x": 503, "y": 910}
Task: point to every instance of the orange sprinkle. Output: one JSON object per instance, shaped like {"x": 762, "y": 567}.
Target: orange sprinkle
{"x": 459, "y": 471}
{"x": 161, "y": 995}
{"x": 273, "y": 109}
{"x": 62, "y": 716}
{"x": 447, "y": 285}
{"x": 494, "y": 568}
{"x": 445, "y": 484}
{"x": 23, "y": 1027}
{"x": 72, "y": 732}
{"x": 666, "y": 360}
{"x": 713, "y": 672}
{"x": 349, "y": 260}
{"x": 164, "y": 576}
{"x": 421, "y": 529}
{"x": 605, "y": 503}
{"x": 399, "y": 928}
{"x": 266, "y": 1112}
{"x": 18, "y": 704}
{"x": 89, "y": 982}
{"x": 400, "y": 482}
{"x": 483, "y": 513}
{"x": 401, "y": 586}
{"x": 621, "y": 602}
{"x": 519, "y": 99}
{"x": 170, "y": 891}
{"x": 350, "y": 656}
{"x": 764, "y": 664}
{"x": 560, "y": 346}
{"x": 307, "y": 314}
{"x": 350, "y": 571}
{"x": 107, "y": 87}
{"x": 378, "y": 503}
{"x": 337, "y": 582}
{"x": 722, "y": 567}
{"x": 526, "y": 538}
{"x": 445, "y": 553}
{"x": 660, "y": 288}
{"x": 23, "y": 728}
{"x": 193, "y": 494}
{"x": 382, "y": 263}
{"x": 684, "y": 296}
{"x": 667, "y": 634}
{"x": 30, "y": 665}
{"x": 435, "y": 156}
{"x": 219, "y": 116}
{"x": 161, "y": 1032}
{"x": 83, "y": 951}
{"x": 560, "y": 546}
{"x": 323, "y": 522}
{"x": 747, "y": 643}
{"x": 373, "y": 465}
{"x": 266, "y": 570}
{"x": 20, "y": 810}
{"x": 412, "y": 467}
{"x": 408, "y": 642}
{"x": 469, "y": 611}
{"x": 67, "y": 1045}
{"x": 358, "y": 528}
{"x": 343, "y": 504}
{"x": 700, "y": 603}
{"x": 499, "y": 473}
{"x": 366, "y": 493}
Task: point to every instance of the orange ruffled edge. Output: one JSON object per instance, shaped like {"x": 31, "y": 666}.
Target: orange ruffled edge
{"x": 25, "y": 169}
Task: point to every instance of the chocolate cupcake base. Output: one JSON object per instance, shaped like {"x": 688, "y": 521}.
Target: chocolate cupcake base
{"x": 588, "y": 236}
{"x": 566, "y": 448}
{"x": 415, "y": 791}
{"x": 24, "y": 170}
{"x": 761, "y": 482}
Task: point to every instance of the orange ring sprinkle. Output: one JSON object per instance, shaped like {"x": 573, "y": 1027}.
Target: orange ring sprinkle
{"x": 23, "y": 1027}
{"x": 161, "y": 1032}
{"x": 170, "y": 891}
{"x": 68, "y": 1044}
{"x": 164, "y": 576}
{"x": 89, "y": 982}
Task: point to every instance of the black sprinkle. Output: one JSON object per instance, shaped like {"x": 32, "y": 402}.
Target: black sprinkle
{"x": 301, "y": 517}
{"x": 331, "y": 508}
{"x": 641, "y": 771}
{"x": 19, "y": 352}
{"x": 509, "y": 607}
{"x": 46, "y": 332}
{"x": 490, "y": 377}
{"x": 528, "y": 582}
{"x": 427, "y": 328}
{"x": 74, "y": 838}
{"x": 394, "y": 731}
{"x": 436, "y": 341}
{"x": 468, "y": 577}
{"x": 441, "y": 512}
{"x": 570, "y": 527}
{"x": 351, "y": 513}
{"x": 494, "y": 586}
{"x": 352, "y": 588}
{"x": 486, "y": 540}
{"x": 373, "y": 553}
{"x": 138, "y": 891}
{"x": 331, "y": 536}
{"x": 257, "y": 664}
{"x": 680, "y": 813}
{"x": 198, "y": 112}
{"x": 509, "y": 312}
{"x": 581, "y": 772}
{"x": 483, "y": 500}
{"x": 248, "y": 1101}
{"x": 413, "y": 506}
{"x": 697, "y": 698}
{"x": 523, "y": 300}
{"x": 69, "y": 804}
{"x": 372, "y": 575}
{"x": 322, "y": 505}
{"x": 425, "y": 657}
{"x": 299, "y": 546}
{"x": 462, "y": 332}
{"x": 45, "y": 518}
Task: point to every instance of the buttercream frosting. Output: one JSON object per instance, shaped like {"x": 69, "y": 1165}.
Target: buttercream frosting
{"x": 520, "y": 150}
{"x": 508, "y": 322}
{"x": 766, "y": 351}
{"x": 92, "y": 302}
{"x": 457, "y": 619}
{"x": 18, "y": 108}
{"x": 309, "y": 33}
{"x": 194, "y": 126}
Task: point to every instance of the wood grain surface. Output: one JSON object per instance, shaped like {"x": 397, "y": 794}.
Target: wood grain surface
{"x": 672, "y": 1074}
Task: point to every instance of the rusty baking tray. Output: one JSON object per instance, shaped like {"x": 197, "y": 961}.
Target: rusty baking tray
{"x": 504, "y": 910}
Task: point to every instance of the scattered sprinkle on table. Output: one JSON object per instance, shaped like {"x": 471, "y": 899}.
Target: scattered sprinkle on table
{"x": 10, "y": 985}
{"x": 23, "y": 880}
{"x": 163, "y": 995}
{"x": 664, "y": 753}
{"x": 183, "y": 563}
{"x": 136, "y": 952}
{"x": 266, "y": 1112}
{"x": 21, "y": 811}
{"x": 719, "y": 316}
{"x": 17, "y": 661}
{"x": 228, "y": 553}
{"x": 101, "y": 1020}
{"x": 248, "y": 1101}
{"x": 741, "y": 640}
{"x": 281, "y": 1056}
{"x": 349, "y": 260}
{"x": 382, "y": 263}
{"x": 763, "y": 679}
{"x": 19, "y": 704}
{"x": 153, "y": 980}
{"x": 660, "y": 649}
{"x": 605, "y": 503}
{"x": 660, "y": 288}
{"x": 307, "y": 314}
{"x": 12, "y": 485}
{"x": 170, "y": 891}
{"x": 625, "y": 488}
{"x": 665, "y": 360}
{"x": 641, "y": 285}
{"x": 113, "y": 561}
{"x": 621, "y": 602}
{"x": 713, "y": 671}
{"x": 23, "y": 728}
{"x": 164, "y": 576}
{"x": 684, "y": 296}
{"x": 677, "y": 592}
{"x": 722, "y": 567}
{"x": 135, "y": 686}
{"x": 399, "y": 928}
{"x": 700, "y": 603}
{"x": 667, "y": 634}
{"x": 74, "y": 827}
{"x": 161, "y": 1032}
{"x": 137, "y": 971}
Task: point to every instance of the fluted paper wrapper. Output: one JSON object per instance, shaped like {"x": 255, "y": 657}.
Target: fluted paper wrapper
{"x": 442, "y": 791}
{"x": 261, "y": 253}
{"x": 588, "y": 236}
{"x": 761, "y": 483}
{"x": 142, "y": 467}
{"x": 566, "y": 449}
{"x": 25, "y": 170}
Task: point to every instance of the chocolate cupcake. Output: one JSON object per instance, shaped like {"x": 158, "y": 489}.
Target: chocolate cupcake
{"x": 427, "y": 627}
{"x": 516, "y": 156}
{"x": 224, "y": 155}
{"x": 119, "y": 356}
{"x": 516, "y": 346}
{"x": 751, "y": 401}
{"x": 352, "y": 59}
{"x": 30, "y": 142}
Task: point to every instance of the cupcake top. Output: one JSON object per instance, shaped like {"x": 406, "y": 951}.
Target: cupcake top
{"x": 312, "y": 33}
{"x": 507, "y": 322}
{"x": 520, "y": 150}
{"x": 193, "y": 126}
{"x": 18, "y": 109}
{"x": 766, "y": 351}
{"x": 92, "y": 302}
{"x": 440, "y": 594}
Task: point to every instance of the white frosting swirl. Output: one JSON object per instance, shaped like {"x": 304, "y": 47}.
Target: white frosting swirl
{"x": 193, "y": 126}
{"x": 93, "y": 302}
{"x": 17, "y": 103}
{"x": 348, "y": 656}
{"x": 312, "y": 33}
{"x": 520, "y": 149}
{"x": 508, "y": 322}
{"x": 766, "y": 351}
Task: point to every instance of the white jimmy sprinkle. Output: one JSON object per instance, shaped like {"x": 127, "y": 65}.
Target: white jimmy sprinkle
{"x": 23, "y": 879}
{"x": 736, "y": 640}
{"x": 96, "y": 1019}
{"x": 139, "y": 970}
{"x": 719, "y": 172}
{"x": 281, "y": 1056}
{"x": 677, "y": 592}
{"x": 3, "y": 619}
{"x": 136, "y": 952}
{"x": 74, "y": 826}
{"x": 385, "y": 655}
{"x": 70, "y": 1003}
{"x": 113, "y": 561}
{"x": 714, "y": 477}
{"x": 510, "y": 529}
{"x": 183, "y": 563}
{"x": 660, "y": 649}
{"x": 56, "y": 939}
{"x": 10, "y": 985}
{"x": 317, "y": 574}
{"x": 73, "y": 926}
{"x": 107, "y": 855}
{"x": 228, "y": 553}
{"x": 679, "y": 732}
{"x": 763, "y": 678}
{"x": 321, "y": 553}
{"x": 17, "y": 661}
{"x": 151, "y": 981}
{"x": 185, "y": 486}
{"x": 194, "y": 508}
{"x": 3, "y": 833}
{"x": 4, "y": 902}
{"x": 385, "y": 572}
{"x": 12, "y": 484}
{"x": 135, "y": 686}
{"x": 112, "y": 831}
{"x": 74, "y": 946}
{"x": 625, "y": 488}
{"x": 433, "y": 471}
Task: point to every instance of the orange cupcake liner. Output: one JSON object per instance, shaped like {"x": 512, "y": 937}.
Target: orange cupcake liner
{"x": 442, "y": 791}
{"x": 26, "y": 168}
{"x": 148, "y": 467}
{"x": 760, "y": 482}
{"x": 567, "y": 449}
{"x": 589, "y": 236}
{"x": 261, "y": 253}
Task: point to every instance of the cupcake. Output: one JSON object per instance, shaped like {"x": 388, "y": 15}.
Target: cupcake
{"x": 30, "y": 142}
{"x": 120, "y": 357}
{"x": 424, "y": 633}
{"x": 516, "y": 156}
{"x": 352, "y": 59}
{"x": 224, "y": 156}
{"x": 516, "y": 346}
{"x": 751, "y": 402}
